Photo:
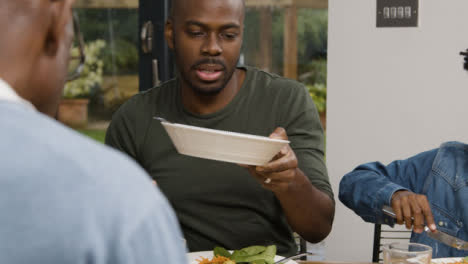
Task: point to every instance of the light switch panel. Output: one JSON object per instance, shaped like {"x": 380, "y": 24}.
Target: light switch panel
{"x": 397, "y": 13}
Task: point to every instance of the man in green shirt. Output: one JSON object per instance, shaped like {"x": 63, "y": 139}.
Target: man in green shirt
{"x": 219, "y": 203}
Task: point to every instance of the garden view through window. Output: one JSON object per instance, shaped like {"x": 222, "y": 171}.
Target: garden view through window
{"x": 287, "y": 40}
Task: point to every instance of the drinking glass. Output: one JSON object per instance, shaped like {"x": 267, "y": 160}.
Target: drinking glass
{"x": 407, "y": 253}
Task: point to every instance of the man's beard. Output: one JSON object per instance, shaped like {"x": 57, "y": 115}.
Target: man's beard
{"x": 211, "y": 92}
{"x": 199, "y": 89}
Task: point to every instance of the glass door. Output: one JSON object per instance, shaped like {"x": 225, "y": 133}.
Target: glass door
{"x": 125, "y": 53}
{"x": 155, "y": 60}
{"x": 111, "y": 73}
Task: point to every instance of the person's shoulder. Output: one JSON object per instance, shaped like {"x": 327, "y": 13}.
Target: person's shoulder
{"x": 144, "y": 102}
{"x": 92, "y": 168}
{"x": 272, "y": 80}
{"x": 271, "y": 86}
{"x": 91, "y": 188}
{"x": 454, "y": 144}
{"x": 57, "y": 152}
{"x": 161, "y": 88}
{"x": 149, "y": 97}
{"x": 55, "y": 145}
{"x": 451, "y": 162}
{"x": 454, "y": 149}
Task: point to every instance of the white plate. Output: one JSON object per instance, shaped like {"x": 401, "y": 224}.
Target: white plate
{"x": 223, "y": 145}
{"x": 446, "y": 260}
{"x": 193, "y": 256}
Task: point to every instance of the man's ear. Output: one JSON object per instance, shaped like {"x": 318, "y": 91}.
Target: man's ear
{"x": 61, "y": 12}
{"x": 169, "y": 33}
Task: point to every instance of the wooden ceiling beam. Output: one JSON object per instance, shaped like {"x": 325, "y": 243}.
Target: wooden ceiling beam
{"x": 318, "y": 4}
{"x": 106, "y": 4}
{"x": 268, "y": 3}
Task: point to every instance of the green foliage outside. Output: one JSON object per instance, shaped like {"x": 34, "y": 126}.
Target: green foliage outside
{"x": 119, "y": 28}
{"x": 91, "y": 76}
{"x": 318, "y": 92}
{"x": 315, "y": 79}
{"x": 98, "y": 135}
{"x": 120, "y": 57}
{"x": 312, "y": 27}
{"x": 312, "y": 47}
{"x": 312, "y": 58}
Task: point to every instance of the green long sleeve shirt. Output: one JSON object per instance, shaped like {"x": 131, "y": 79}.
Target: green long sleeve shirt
{"x": 220, "y": 203}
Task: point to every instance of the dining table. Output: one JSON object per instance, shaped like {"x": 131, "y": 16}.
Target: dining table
{"x": 331, "y": 262}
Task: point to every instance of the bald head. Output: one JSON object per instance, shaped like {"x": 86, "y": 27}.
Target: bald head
{"x": 23, "y": 17}
{"x": 23, "y": 29}
{"x": 177, "y": 5}
{"x": 31, "y": 15}
{"x": 22, "y": 8}
{"x": 35, "y": 44}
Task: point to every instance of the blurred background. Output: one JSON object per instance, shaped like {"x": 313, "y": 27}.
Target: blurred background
{"x": 126, "y": 52}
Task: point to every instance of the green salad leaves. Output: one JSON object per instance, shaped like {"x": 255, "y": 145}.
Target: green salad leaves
{"x": 252, "y": 254}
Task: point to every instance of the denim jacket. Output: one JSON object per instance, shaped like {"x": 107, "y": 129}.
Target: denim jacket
{"x": 440, "y": 174}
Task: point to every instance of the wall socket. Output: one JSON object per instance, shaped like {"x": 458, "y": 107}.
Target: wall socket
{"x": 397, "y": 13}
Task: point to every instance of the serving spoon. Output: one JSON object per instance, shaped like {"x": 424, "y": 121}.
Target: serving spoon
{"x": 294, "y": 257}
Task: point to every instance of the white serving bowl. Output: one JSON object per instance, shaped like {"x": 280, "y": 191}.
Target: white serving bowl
{"x": 223, "y": 145}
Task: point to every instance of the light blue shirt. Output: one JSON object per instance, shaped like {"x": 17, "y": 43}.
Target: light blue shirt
{"x": 440, "y": 174}
{"x": 66, "y": 199}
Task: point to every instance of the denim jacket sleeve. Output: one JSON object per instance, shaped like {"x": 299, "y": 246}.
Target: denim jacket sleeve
{"x": 370, "y": 186}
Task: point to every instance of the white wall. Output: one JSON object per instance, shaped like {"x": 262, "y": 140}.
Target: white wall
{"x": 392, "y": 92}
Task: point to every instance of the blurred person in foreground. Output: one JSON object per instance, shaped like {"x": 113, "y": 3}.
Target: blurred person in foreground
{"x": 220, "y": 203}
{"x": 430, "y": 188}
{"x": 64, "y": 198}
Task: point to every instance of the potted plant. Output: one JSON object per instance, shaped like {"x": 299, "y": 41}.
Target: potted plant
{"x": 73, "y": 108}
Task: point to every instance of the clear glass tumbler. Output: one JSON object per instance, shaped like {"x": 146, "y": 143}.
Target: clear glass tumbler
{"x": 407, "y": 253}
